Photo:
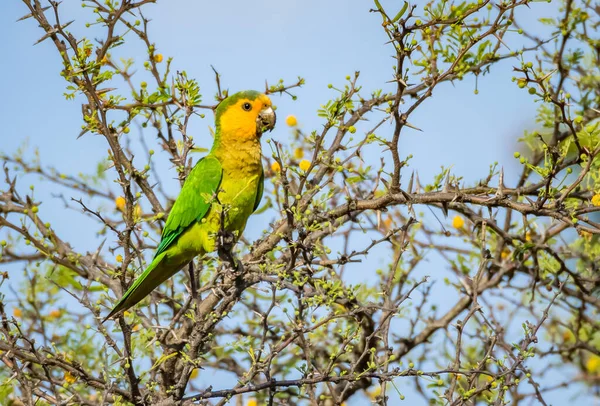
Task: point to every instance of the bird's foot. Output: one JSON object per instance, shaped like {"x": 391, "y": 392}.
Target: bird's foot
{"x": 225, "y": 243}
{"x": 225, "y": 240}
{"x": 233, "y": 264}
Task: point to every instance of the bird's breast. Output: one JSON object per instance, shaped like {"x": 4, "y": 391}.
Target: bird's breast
{"x": 237, "y": 197}
{"x": 242, "y": 170}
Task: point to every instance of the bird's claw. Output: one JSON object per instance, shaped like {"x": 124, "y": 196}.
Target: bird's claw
{"x": 225, "y": 242}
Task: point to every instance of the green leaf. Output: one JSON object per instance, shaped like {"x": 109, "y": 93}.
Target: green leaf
{"x": 378, "y": 4}
{"x": 198, "y": 150}
{"x": 401, "y": 12}
{"x": 354, "y": 179}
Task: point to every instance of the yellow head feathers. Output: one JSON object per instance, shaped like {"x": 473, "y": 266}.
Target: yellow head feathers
{"x": 244, "y": 116}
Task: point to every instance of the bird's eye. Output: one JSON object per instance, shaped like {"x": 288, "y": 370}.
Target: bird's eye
{"x": 247, "y": 106}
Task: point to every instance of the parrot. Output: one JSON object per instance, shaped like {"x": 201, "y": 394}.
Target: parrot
{"x": 224, "y": 186}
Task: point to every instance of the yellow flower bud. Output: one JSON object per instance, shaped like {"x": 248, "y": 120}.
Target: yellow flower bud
{"x": 291, "y": 121}
{"x": 304, "y": 165}
{"x": 458, "y": 222}
{"x": 275, "y": 167}
{"x": 298, "y": 153}
{"x": 17, "y": 312}
{"x": 252, "y": 402}
{"x": 375, "y": 393}
{"x": 593, "y": 365}
{"x": 387, "y": 223}
{"x": 119, "y": 258}
{"x": 158, "y": 58}
{"x": 596, "y": 199}
{"x": 120, "y": 203}
{"x": 70, "y": 378}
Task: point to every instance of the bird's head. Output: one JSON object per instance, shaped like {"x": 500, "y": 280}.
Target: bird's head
{"x": 245, "y": 116}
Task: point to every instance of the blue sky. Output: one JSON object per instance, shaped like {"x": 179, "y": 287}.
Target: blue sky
{"x": 250, "y": 42}
{"x": 320, "y": 41}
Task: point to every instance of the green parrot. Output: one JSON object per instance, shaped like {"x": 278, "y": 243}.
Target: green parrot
{"x": 230, "y": 179}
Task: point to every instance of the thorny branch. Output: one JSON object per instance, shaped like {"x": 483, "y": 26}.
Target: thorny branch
{"x": 283, "y": 314}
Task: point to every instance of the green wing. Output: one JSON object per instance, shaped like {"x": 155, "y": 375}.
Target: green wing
{"x": 194, "y": 200}
{"x": 259, "y": 192}
{"x": 192, "y": 205}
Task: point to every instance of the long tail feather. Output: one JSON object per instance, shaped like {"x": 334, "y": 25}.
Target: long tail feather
{"x": 156, "y": 273}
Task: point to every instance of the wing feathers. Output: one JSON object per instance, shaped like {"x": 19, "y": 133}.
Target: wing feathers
{"x": 194, "y": 200}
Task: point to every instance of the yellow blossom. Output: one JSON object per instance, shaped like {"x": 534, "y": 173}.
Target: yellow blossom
{"x": 528, "y": 236}
{"x": 375, "y": 393}
{"x": 458, "y": 222}
{"x": 55, "y": 313}
{"x": 252, "y": 402}
{"x": 298, "y": 153}
{"x": 387, "y": 223}
{"x": 275, "y": 167}
{"x": 17, "y": 312}
{"x": 119, "y": 258}
{"x": 596, "y": 199}
{"x": 158, "y": 58}
{"x": 291, "y": 121}
{"x": 136, "y": 327}
{"x": 304, "y": 165}
{"x": 194, "y": 373}
{"x": 120, "y": 203}
{"x": 505, "y": 253}
{"x": 104, "y": 60}
{"x": 70, "y": 378}
{"x": 593, "y": 365}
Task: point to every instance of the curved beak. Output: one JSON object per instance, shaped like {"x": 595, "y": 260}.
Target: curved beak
{"x": 266, "y": 120}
